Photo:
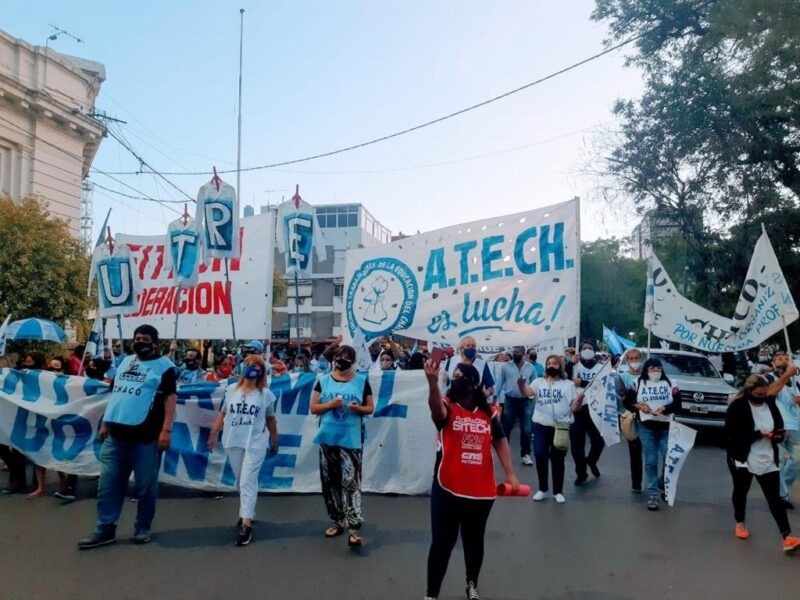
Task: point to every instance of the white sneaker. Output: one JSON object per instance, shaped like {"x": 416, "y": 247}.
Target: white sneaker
{"x": 560, "y": 498}
{"x": 526, "y": 460}
{"x": 539, "y": 496}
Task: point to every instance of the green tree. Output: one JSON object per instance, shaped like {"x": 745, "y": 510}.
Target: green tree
{"x": 722, "y": 90}
{"x": 43, "y": 267}
{"x": 612, "y": 290}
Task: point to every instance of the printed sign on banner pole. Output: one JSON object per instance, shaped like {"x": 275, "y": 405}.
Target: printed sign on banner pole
{"x": 506, "y": 281}
{"x": 117, "y": 281}
{"x": 299, "y": 234}
{"x": 680, "y": 442}
{"x": 218, "y": 220}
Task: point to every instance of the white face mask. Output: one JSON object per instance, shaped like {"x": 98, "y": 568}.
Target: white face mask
{"x": 635, "y": 366}
{"x": 654, "y": 376}
{"x": 587, "y": 354}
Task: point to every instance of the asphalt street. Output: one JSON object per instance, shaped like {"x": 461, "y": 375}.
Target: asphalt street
{"x": 601, "y": 545}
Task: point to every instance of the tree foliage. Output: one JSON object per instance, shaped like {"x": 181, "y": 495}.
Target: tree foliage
{"x": 718, "y": 125}
{"x": 612, "y": 290}
{"x": 43, "y": 268}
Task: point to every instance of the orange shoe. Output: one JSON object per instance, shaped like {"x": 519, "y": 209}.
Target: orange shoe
{"x": 742, "y": 532}
{"x": 791, "y": 543}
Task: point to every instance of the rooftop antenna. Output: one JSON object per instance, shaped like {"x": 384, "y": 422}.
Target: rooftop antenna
{"x": 56, "y": 31}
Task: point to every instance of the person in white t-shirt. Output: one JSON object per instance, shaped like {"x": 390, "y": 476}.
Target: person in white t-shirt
{"x": 248, "y": 413}
{"x": 555, "y": 401}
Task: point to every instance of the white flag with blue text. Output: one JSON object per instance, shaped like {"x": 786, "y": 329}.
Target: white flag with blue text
{"x": 117, "y": 280}
{"x": 680, "y": 442}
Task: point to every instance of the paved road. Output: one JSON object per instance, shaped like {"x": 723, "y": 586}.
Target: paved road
{"x": 601, "y": 545}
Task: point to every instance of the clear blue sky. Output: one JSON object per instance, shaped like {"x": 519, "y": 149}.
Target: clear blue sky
{"x": 322, "y": 75}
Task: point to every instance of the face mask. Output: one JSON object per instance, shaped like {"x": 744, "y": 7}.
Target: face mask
{"x": 517, "y": 357}
{"x": 342, "y": 364}
{"x": 553, "y": 371}
{"x": 142, "y": 349}
{"x": 91, "y": 372}
{"x": 470, "y": 353}
{"x": 252, "y": 372}
{"x": 225, "y": 371}
{"x": 298, "y": 369}
{"x": 635, "y": 366}
{"x": 460, "y": 388}
{"x": 781, "y": 369}
{"x": 192, "y": 365}
{"x": 587, "y": 354}
{"x": 757, "y": 400}
{"x": 532, "y": 357}
{"x": 654, "y": 376}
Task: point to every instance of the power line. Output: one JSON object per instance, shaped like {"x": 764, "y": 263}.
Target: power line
{"x": 421, "y": 125}
{"x": 144, "y": 163}
{"x": 130, "y": 187}
{"x": 147, "y": 198}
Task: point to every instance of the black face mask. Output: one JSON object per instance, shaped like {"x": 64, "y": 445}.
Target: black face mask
{"x": 553, "y": 371}
{"x": 517, "y": 357}
{"x": 92, "y": 372}
{"x": 192, "y": 365}
{"x": 343, "y": 364}
{"x": 756, "y": 400}
{"x": 142, "y": 349}
{"x": 460, "y": 388}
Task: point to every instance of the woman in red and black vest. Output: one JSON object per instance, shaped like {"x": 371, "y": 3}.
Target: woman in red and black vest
{"x": 464, "y": 487}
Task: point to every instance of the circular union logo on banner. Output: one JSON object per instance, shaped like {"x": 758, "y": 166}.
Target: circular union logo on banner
{"x": 381, "y": 298}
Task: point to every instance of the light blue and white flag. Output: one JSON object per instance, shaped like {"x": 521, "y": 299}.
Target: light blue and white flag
{"x": 3, "y": 329}
{"x": 95, "y": 344}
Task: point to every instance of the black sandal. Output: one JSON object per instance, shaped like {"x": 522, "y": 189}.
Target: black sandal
{"x": 354, "y": 540}
{"x": 334, "y": 530}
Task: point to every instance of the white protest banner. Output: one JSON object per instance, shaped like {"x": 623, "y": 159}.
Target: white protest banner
{"x": 218, "y": 220}
{"x": 601, "y": 398}
{"x": 505, "y": 281}
{"x": 765, "y": 304}
{"x": 53, "y": 420}
{"x": 680, "y": 442}
{"x": 299, "y": 234}
{"x": 205, "y": 309}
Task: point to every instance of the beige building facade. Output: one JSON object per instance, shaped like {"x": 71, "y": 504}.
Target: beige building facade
{"x": 47, "y": 138}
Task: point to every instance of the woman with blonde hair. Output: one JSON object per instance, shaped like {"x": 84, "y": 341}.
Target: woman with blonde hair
{"x": 247, "y": 414}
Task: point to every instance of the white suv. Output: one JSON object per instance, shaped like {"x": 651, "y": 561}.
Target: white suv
{"x": 704, "y": 393}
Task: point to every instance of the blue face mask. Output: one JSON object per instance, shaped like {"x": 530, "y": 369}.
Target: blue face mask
{"x": 470, "y": 353}
{"x": 252, "y": 372}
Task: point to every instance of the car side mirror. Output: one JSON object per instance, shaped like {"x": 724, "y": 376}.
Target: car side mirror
{"x": 728, "y": 378}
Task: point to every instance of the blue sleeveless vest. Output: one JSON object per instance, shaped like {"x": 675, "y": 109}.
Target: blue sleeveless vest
{"x": 340, "y": 427}
{"x": 134, "y": 389}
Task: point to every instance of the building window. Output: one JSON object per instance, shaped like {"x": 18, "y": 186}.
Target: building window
{"x": 338, "y": 290}
{"x": 305, "y": 321}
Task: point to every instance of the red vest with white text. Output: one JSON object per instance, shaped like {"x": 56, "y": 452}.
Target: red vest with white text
{"x": 466, "y": 467}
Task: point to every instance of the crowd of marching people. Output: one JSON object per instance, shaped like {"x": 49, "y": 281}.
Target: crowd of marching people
{"x": 474, "y": 403}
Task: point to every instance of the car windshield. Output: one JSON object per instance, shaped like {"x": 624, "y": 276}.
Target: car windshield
{"x": 691, "y": 366}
